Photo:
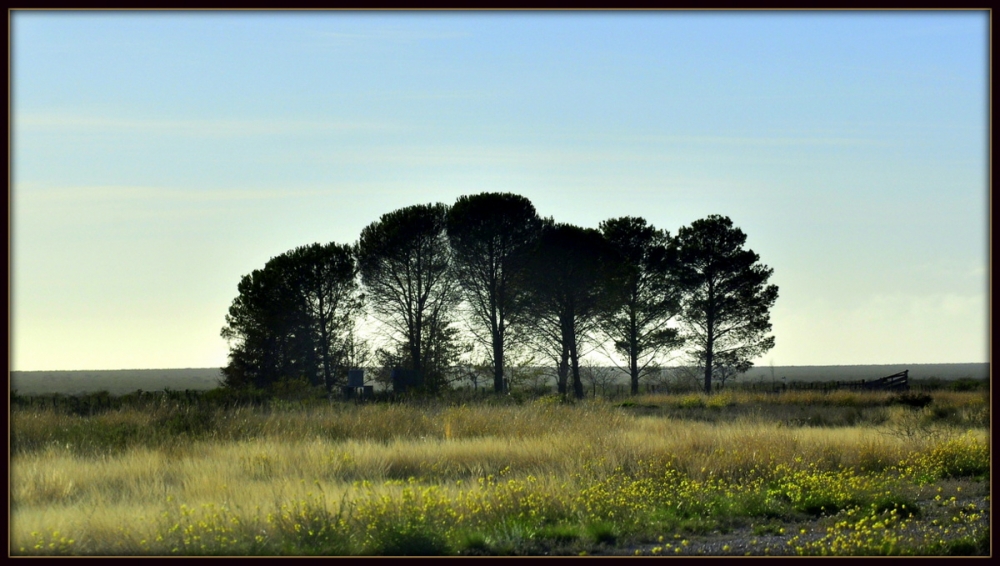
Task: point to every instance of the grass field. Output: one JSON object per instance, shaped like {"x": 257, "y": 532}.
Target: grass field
{"x": 845, "y": 473}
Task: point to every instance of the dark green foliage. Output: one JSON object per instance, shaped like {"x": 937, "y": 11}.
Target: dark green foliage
{"x": 969, "y": 384}
{"x": 523, "y": 280}
{"x": 904, "y": 505}
{"x": 405, "y": 263}
{"x": 918, "y": 400}
{"x": 648, "y": 297}
{"x": 978, "y": 545}
{"x": 190, "y": 421}
{"x": 411, "y": 540}
{"x": 491, "y": 235}
{"x": 571, "y": 282}
{"x": 772, "y": 528}
{"x": 474, "y": 544}
{"x": 760, "y": 504}
{"x": 559, "y": 533}
{"x": 293, "y": 319}
{"x": 937, "y": 384}
{"x": 228, "y": 397}
{"x": 727, "y": 301}
{"x": 602, "y": 533}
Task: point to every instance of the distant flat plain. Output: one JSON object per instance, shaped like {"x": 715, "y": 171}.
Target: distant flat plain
{"x": 120, "y": 382}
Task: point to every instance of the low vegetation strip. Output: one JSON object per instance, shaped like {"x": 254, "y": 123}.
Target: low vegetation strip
{"x": 504, "y": 479}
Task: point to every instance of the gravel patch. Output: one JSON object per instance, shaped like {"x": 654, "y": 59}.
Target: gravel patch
{"x": 743, "y": 542}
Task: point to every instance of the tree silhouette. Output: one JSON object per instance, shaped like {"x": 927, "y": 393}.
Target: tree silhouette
{"x": 490, "y": 236}
{"x": 727, "y": 301}
{"x": 326, "y": 282}
{"x": 570, "y": 282}
{"x": 292, "y": 318}
{"x": 405, "y": 264}
{"x": 649, "y": 295}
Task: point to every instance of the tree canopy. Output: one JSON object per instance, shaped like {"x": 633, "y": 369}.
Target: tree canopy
{"x": 405, "y": 264}
{"x": 649, "y": 297}
{"x": 727, "y": 301}
{"x": 526, "y": 285}
{"x": 571, "y": 282}
{"x": 491, "y": 235}
{"x": 292, "y": 319}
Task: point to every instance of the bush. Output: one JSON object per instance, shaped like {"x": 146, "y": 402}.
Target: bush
{"x": 969, "y": 384}
{"x": 690, "y": 402}
{"x": 191, "y": 422}
{"x": 602, "y": 533}
{"x": 918, "y": 400}
{"x": 412, "y": 540}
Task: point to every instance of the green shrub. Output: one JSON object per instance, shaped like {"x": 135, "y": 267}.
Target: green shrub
{"x": 772, "y": 528}
{"x": 190, "y": 421}
{"x": 410, "y": 540}
{"x": 602, "y": 532}
{"x": 969, "y": 384}
{"x": 918, "y": 400}
{"x": 473, "y": 544}
{"x": 690, "y": 402}
{"x": 559, "y": 533}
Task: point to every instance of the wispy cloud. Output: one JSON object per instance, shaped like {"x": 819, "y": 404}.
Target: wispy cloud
{"x": 76, "y": 195}
{"x": 650, "y": 149}
{"x": 761, "y": 140}
{"x": 395, "y": 34}
{"x": 504, "y": 155}
{"x": 187, "y": 127}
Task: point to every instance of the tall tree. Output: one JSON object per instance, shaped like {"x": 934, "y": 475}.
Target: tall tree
{"x": 727, "y": 301}
{"x": 292, "y": 318}
{"x": 571, "y": 282}
{"x": 325, "y": 282}
{"x": 490, "y": 235}
{"x": 262, "y": 332}
{"x": 405, "y": 264}
{"x": 649, "y": 295}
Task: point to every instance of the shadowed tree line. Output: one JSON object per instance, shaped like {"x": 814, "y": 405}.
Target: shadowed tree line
{"x": 487, "y": 283}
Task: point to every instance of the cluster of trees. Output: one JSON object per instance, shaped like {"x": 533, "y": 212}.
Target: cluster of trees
{"x": 488, "y": 274}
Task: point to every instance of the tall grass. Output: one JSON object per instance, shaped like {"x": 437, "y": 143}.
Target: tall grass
{"x": 443, "y": 478}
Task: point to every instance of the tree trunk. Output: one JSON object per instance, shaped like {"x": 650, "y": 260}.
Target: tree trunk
{"x": 709, "y": 344}
{"x": 633, "y": 346}
{"x": 562, "y": 373}
{"x": 634, "y": 364}
{"x": 710, "y": 337}
{"x": 498, "y": 358}
{"x": 574, "y": 357}
{"x": 325, "y": 346}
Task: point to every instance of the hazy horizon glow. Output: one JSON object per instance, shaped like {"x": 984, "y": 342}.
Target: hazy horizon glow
{"x": 157, "y": 157}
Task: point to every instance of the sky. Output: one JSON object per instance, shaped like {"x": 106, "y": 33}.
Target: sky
{"x": 157, "y": 157}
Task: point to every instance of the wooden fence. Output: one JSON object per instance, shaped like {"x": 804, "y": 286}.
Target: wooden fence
{"x": 895, "y": 382}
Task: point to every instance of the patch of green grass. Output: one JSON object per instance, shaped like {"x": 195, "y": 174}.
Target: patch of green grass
{"x": 972, "y": 545}
{"x": 771, "y": 528}
{"x": 602, "y": 532}
{"x": 904, "y": 505}
{"x": 559, "y": 533}
{"x": 473, "y": 544}
{"x": 760, "y": 504}
{"x": 409, "y": 541}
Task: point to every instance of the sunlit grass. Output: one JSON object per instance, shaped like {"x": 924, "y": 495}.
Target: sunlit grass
{"x": 388, "y": 479}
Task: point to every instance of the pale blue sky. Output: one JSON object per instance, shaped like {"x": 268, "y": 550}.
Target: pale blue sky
{"x": 158, "y": 157}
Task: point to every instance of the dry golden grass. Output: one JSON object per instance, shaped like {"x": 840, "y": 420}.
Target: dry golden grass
{"x": 253, "y": 461}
